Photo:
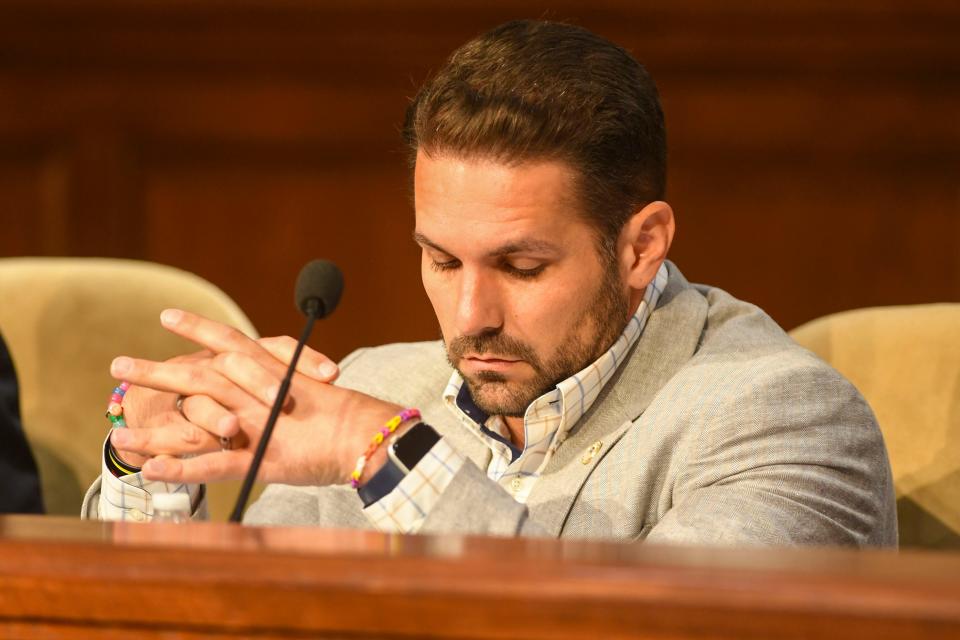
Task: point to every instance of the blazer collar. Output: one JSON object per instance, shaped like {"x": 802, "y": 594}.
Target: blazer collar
{"x": 669, "y": 340}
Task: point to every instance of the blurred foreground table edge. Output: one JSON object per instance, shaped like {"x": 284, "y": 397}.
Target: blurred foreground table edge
{"x": 65, "y": 578}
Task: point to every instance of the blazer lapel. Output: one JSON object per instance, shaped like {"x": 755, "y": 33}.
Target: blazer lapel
{"x": 668, "y": 341}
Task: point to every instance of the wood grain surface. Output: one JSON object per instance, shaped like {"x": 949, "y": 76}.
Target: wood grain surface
{"x": 814, "y": 146}
{"x": 70, "y": 578}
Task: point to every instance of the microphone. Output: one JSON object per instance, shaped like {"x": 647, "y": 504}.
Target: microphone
{"x": 320, "y": 282}
{"x": 318, "y": 290}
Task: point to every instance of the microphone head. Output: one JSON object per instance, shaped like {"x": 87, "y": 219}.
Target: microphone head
{"x": 319, "y": 280}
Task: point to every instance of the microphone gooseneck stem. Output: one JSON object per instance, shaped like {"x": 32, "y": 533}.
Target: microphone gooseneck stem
{"x": 313, "y": 313}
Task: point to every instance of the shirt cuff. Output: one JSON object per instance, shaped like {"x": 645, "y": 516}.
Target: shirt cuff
{"x": 128, "y": 497}
{"x": 404, "y": 509}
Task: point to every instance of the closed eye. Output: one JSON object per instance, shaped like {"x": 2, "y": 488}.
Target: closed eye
{"x": 523, "y": 273}
{"x": 444, "y": 266}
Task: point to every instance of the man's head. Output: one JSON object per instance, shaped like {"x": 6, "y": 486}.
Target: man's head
{"x": 530, "y": 90}
{"x": 539, "y": 161}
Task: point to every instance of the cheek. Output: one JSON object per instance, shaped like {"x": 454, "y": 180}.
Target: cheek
{"x": 541, "y": 317}
{"x": 438, "y": 293}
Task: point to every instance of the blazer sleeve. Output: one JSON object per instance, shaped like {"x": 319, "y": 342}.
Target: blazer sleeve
{"x": 473, "y": 504}
{"x": 795, "y": 457}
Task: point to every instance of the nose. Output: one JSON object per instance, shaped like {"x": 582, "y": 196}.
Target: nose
{"x": 479, "y": 308}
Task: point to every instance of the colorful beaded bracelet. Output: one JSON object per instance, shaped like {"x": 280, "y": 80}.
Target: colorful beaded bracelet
{"x": 115, "y": 406}
{"x": 118, "y": 467}
{"x": 377, "y": 440}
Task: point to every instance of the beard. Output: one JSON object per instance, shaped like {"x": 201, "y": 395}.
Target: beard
{"x": 494, "y": 394}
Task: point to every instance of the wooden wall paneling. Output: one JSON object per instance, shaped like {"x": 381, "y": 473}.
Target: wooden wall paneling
{"x": 90, "y": 193}
{"x": 787, "y": 122}
{"x": 264, "y": 219}
{"x": 34, "y": 200}
{"x": 105, "y": 194}
{"x": 318, "y": 178}
{"x": 827, "y": 238}
{"x": 821, "y": 183}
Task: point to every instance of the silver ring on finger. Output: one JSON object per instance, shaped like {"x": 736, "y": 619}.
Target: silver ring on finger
{"x": 180, "y": 399}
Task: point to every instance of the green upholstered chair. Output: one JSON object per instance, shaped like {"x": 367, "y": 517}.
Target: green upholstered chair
{"x": 905, "y": 360}
{"x": 64, "y": 320}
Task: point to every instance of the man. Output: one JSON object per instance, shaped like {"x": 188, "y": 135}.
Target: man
{"x": 593, "y": 391}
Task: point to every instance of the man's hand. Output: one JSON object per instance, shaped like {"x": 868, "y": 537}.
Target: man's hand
{"x": 228, "y": 391}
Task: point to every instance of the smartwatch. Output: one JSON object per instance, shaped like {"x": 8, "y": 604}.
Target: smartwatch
{"x": 407, "y": 450}
{"x": 403, "y": 454}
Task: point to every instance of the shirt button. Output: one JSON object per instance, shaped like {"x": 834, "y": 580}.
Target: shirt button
{"x": 137, "y": 515}
{"x": 516, "y": 484}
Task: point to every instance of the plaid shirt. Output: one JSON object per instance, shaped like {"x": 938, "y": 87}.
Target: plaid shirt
{"x": 546, "y": 423}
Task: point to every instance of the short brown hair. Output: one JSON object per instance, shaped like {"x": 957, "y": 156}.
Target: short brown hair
{"x": 534, "y": 90}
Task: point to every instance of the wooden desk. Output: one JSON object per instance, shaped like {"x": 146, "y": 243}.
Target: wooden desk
{"x": 65, "y": 578}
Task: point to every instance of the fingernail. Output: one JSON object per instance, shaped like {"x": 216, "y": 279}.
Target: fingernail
{"x": 121, "y": 366}
{"x": 154, "y": 467}
{"x": 327, "y": 369}
{"x": 171, "y": 317}
{"x": 120, "y": 437}
{"x": 271, "y": 393}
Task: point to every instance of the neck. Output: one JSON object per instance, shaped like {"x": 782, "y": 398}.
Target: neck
{"x": 515, "y": 427}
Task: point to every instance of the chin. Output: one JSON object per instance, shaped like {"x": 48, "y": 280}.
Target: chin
{"x": 501, "y": 398}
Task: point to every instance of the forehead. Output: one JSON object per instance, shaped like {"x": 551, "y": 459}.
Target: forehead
{"x": 479, "y": 197}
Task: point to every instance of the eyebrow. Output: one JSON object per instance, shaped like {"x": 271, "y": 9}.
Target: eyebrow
{"x": 520, "y": 246}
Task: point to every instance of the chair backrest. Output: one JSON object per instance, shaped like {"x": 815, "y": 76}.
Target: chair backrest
{"x": 64, "y": 320}
{"x": 905, "y": 360}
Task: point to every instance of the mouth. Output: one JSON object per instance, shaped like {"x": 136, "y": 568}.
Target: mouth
{"x": 489, "y": 363}
{"x": 489, "y": 358}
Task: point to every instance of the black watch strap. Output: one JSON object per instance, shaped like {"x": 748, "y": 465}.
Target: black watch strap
{"x": 411, "y": 449}
{"x": 381, "y": 483}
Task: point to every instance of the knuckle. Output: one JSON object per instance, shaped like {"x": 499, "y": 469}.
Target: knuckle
{"x": 223, "y": 361}
{"x": 233, "y": 360}
{"x": 230, "y": 335}
{"x": 196, "y": 377}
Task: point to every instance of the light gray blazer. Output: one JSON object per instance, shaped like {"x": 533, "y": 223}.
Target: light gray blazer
{"x": 718, "y": 429}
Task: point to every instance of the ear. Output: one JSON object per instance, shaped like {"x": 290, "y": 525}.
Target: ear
{"x": 643, "y": 244}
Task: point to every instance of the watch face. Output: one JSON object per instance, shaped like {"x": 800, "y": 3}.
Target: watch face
{"x": 414, "y": 444}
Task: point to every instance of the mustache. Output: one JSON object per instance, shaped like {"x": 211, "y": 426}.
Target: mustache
{"x": 493, "y": 343}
